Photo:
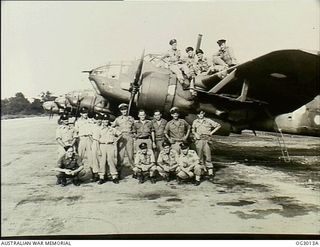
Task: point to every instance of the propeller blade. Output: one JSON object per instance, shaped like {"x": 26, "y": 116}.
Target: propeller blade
{"x": 86, "y": 71}
{"x": 135, "y": 84}
{"x": 139, "y": 70}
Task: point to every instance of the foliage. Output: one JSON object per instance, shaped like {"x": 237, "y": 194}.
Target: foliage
{"x": 20, "y": 105}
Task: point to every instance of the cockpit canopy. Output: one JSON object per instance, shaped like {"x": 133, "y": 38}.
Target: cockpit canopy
{"x": 112, "y": 70}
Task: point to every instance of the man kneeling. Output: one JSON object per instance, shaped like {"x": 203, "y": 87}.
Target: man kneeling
{"x": 167, "y": 161}
{"x": 188, "y": 165}
{"x": 69, "y": 166}
{"x": 144, "y": 164}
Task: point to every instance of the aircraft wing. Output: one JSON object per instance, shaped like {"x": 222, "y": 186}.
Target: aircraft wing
{"x": 283, "y": 80}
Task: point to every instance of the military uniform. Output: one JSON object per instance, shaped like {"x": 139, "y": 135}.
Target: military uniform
{"x": 191, "y": 63}
{"x": 159, "y": 127}
{"x": 167, "y": 162}
{"x": 66, "y": 134}
{"x": 202, "y": 129}
{"x": 188, "y": 165}
{"x": 125, "y": 126}
{"x": 143, "y": 132}
{"x": 95, "y": 132}
{"x": 70, "y": 163}
{"x": 144, "y": 163}
{"x": 225, "y": 57}
{"x": 175, "y": 63}
{"x": 176, "y": 130}
{"x": 202, "y": 65}
{"x": 108, "y": 151}
{"x": 82, "y": 129}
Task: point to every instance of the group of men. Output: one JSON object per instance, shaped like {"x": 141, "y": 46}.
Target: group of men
{"x": 152, "y": 147}
{"x": 195, "y": 63}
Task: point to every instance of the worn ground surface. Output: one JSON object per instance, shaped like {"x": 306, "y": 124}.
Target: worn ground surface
{"x": 254, "y": 191}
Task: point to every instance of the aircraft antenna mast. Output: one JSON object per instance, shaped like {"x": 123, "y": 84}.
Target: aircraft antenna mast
{"x": 199, "y": 41}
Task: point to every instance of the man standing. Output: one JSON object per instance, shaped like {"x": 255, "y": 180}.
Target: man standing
{"x": 225, "y": 55}
{"x": 188, "y": 165}
{"x": 108, "y": 141}
{"x": 167, "y": 161}
{"x": 144, "y": 131}
{"x": 177, "y": 130}
{"x": 94, "y": 135}
{"x": 65, "y": 135}
{"x": 203, "y": 128}
{"x": 145, "y": 164}
{"x": 125, "y": 126}
{"x": 159, "y": 125}
{"x": 69, "y": 166}
{"x": 82, "y": 130}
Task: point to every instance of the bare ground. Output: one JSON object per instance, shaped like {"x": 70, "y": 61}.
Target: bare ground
{"x": 254, "y": 190}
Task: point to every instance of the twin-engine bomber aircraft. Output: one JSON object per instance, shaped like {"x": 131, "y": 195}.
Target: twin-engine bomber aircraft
{"x": 253, "y": 95}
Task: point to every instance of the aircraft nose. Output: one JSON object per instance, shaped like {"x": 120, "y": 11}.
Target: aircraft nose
{"x": 50, "y": 106}
{"x": 61, "y": 101}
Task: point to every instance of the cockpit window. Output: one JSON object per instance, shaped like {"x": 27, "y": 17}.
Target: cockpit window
{"x": 112, "y": 70}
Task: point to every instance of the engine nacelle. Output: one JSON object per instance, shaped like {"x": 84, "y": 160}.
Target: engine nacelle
{"x": 161, "y": 91}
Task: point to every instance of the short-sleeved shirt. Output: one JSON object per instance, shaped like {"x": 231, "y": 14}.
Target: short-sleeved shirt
{"x": 124, "y": 124}
{"x": 108, "y": 135}
{"x": 95, "y": 131}
{"x": 177, "y": 128}
{"x": 144, "y": 159}
{"x": 202, "y": 65}
{"x": 227, "y": 56}
{"x": 143, "y": 129}
{"x": 188, "y": 160}
{"x": 72, "y": 163}
{"x": 174, "y": 56}
{"x": 82, "y": 127}
{"x": 204, "y": 126}
{"x": 159, "y": 127}
{"x": 168, "y": 159}
{"x": 66, "y": 133}
{"x": 190, "y": 61}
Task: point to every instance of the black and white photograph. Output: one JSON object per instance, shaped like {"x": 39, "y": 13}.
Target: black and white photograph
{"x": 160, "y": 119}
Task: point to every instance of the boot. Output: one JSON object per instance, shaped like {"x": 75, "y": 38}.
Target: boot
{"x": 141, "y": 179}
{"x": 101, "y": 181}
{"x": 63, "y": 182}
{"x": 58, "y": 180}
{"x": 211, "y": 178}
{"x": 153, "y": 180}
{"x": 197, "y": 183}
{"x": 76, "y": 181}
{"x": 115, "y": 180}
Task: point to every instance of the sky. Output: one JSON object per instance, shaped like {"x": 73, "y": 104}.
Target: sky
{"x": 46, "y": 45}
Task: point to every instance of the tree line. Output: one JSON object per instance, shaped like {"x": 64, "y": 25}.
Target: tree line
{"x": 20, "y": 105}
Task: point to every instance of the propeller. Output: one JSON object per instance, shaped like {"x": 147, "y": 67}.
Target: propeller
{"x": 78, "y": 104}
{"x": 134, "y": 86}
